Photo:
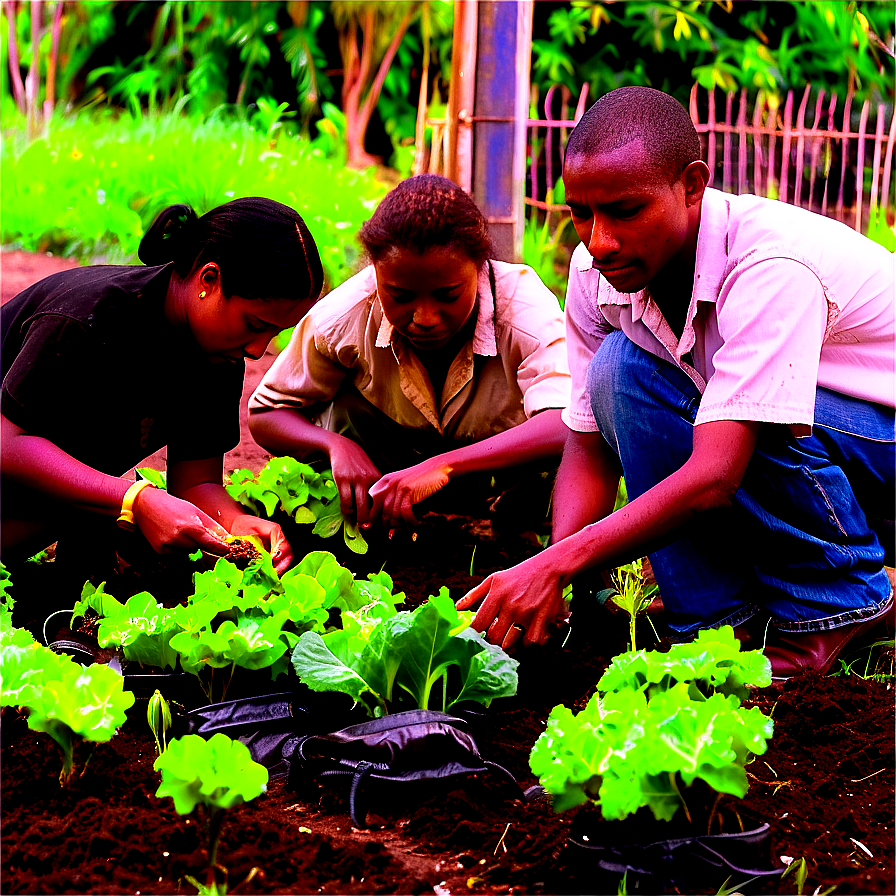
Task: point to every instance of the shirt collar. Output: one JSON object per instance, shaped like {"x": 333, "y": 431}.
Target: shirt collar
{"x": 484, "y": 338}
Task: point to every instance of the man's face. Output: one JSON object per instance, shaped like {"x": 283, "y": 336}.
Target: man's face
{"x": 632, "y": 220}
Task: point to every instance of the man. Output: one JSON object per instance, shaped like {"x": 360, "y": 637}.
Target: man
{"x": 733, "y": 358}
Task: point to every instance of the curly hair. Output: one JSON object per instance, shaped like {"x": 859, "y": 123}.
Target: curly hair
{"x": 423, "y": 212}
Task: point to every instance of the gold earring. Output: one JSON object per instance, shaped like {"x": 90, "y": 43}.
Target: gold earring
{"x": 202, "y": 294}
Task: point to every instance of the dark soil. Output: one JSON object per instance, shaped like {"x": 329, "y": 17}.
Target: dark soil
{"x": 826, "y": 784}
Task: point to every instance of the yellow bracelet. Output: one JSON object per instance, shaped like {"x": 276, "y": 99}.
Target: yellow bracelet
{"x": 126, "y": 519}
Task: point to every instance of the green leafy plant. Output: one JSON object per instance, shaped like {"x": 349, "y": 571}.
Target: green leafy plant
{"x": 158, "y": 717}
{"x": 630, "y": 593}
{"x": 659, "y": 725}
{"x": 69, "y": 702}
{"x": 235, "y": 618}
{"x": 302, "y": 493}
{"x": 214, "y": 775}
{"x": 387, "y": 660}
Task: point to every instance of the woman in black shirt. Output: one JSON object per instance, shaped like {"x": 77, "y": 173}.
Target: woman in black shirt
{"x": 104, "y": 365}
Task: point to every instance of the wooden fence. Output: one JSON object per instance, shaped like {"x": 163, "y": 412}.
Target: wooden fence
{"x": 834, "y": 159}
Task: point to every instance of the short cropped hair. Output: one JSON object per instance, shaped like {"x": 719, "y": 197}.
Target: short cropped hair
{"x": 425, "y": 212}
{"x": 639, "y": 113}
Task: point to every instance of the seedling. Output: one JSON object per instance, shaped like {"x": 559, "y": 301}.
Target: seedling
{"x": 67, "y": 701}
{"x": 658, "y": 723}
{"x": 214, "y": 775}
{"x": 158, "y": 715}
{"x": 301, "y": 493}
{"x": 631, "y": 594}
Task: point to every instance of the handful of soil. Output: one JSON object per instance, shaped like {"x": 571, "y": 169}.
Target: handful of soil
{"x": 241, "y": 552}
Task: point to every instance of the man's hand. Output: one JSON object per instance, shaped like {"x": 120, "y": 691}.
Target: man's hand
{"x": 527, "y": 597}
{"x": 354, "y": 473}
{"x": 395, "y": 495}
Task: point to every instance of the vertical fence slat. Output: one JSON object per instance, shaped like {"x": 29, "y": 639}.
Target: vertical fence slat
{"x": 888, "y": 167}
{"x": 757, "y": 143}
{"x": 785, "y": 146}
{"x": 772, "y": 116}
{"x": 828, "y": 153}
{"x": 726, "y": 145}
{"x": 711, "y": 134}
{"x": 860, "y": 164}
{"x": 742, "y": 143}
{"x": 800, "y": 148}
{"x": 533, "y": 146}
{"x": 815, "y": 144}
{"x": 840, "y": 211}
{"x": 875, "y": 165}
{"x": 548, "y": 131}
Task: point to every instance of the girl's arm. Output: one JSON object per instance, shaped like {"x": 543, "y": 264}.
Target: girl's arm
{"x": 287, "y": 431}
{"x": 542, "y": 435}
{"x": 200, "y": 483}
{"x": 168, "y": 522}
{"x": 529, "y": 594}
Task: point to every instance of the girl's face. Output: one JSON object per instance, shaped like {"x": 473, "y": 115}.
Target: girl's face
{"x": 427, "y": 296}
{"x": 233, "y": 328}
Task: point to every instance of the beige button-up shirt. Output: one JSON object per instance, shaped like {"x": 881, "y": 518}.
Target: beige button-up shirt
{"x": 783, "y": 300}
{"x": 514, "y": 366}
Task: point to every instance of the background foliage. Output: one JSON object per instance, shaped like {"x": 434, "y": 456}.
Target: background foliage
{"x": 112, "y": 109}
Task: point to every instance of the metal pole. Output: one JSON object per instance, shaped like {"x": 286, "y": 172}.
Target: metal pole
{"x": 504, "y": 39}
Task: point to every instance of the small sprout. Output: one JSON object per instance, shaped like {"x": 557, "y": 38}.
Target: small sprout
{"x": 158, "y": 714}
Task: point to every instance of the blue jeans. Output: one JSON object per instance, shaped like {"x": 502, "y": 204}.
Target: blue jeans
{"x": 803, "y": 543}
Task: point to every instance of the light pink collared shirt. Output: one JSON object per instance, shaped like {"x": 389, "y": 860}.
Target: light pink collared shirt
{"x": 783, "y": 300}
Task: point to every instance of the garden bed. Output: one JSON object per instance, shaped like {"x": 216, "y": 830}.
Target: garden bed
{"x": 825, "y": 786}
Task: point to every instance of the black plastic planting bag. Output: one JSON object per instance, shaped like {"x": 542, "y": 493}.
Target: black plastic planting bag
{"x": 672, "y": 865}
{"x": 397, "y": 757}
{"x": 270, "y": 726}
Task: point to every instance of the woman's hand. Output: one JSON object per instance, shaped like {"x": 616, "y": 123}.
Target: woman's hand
{"x": 522, "y": 601}
{"x": 172, "y": 524}
{"x": 395, "y": 495}
{"x": 271, "y": 535}
{"x": 354, "y": 473}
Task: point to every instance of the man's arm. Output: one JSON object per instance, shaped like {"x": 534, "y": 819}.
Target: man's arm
{"x": 529, "y": 594}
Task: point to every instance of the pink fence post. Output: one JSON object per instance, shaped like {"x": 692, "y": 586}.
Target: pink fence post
{"x": 815, "y": 147}
{"x": 875, "y": 166}
{"x": 548, "y": 155}
{"x": 742, "y": 143}
{"x": 828, "y": 152}
{"x": 840, "y": 212}
{"x": 888, "y": 168}
{"x": 726, "y": 145}
{"x": 785, "y": 146}
{"x": 711, "y": 133}
{"x": 800, "y": 147}
{"x": 860, "y": 164}
{"x": 757, "y": 143}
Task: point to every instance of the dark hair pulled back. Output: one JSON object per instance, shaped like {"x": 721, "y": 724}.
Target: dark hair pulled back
{"x": 262, "y": 248}
{"x": 424, "y": 212}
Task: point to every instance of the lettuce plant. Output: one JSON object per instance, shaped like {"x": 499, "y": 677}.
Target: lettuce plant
{"x": 69, "y": 702}
{"x": 382, "y": 656}
{"x": 246, "y": 618}
{"x": 658, "y": 724}
{"x": 302, "y": 493}
{"x": 215, "y": 775}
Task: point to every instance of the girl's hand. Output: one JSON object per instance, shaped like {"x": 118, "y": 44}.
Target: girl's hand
{"x": 520, "y": 602}
{"x": 354, "y": 473}
{"x": 395, "y": 495}
{"x": 270, "y": 534}
{"x": 171, "y": 524}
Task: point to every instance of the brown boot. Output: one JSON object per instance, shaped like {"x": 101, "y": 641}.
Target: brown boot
{"x": 793, "y": 652}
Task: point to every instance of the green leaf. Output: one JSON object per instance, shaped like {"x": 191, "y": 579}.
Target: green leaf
{"x": 218, "y": 773}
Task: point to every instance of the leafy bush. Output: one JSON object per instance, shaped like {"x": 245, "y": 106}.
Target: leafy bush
{"x": 380, "y": 657}
{"x": 92, "y": 185}
{"x": 302, "y": 493}
{"x": 659, "y": 723}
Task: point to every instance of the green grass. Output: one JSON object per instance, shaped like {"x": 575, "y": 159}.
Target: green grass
{"x": 93, "y": 183}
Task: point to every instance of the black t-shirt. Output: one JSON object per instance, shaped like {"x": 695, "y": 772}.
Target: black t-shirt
{"x": 90, "y": 363}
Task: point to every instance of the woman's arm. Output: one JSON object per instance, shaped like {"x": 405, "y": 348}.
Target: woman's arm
{"x": 200, "y": 483}
{"x": 168, "y": 522}
{"x": 542, "y": 435}
{"x": 288, "y": 431}
{"x": 529, "y": 594}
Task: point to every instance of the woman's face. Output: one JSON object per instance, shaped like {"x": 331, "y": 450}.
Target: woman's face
{"x": 427, "y": 296}
{"x": 233, "y": 328}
